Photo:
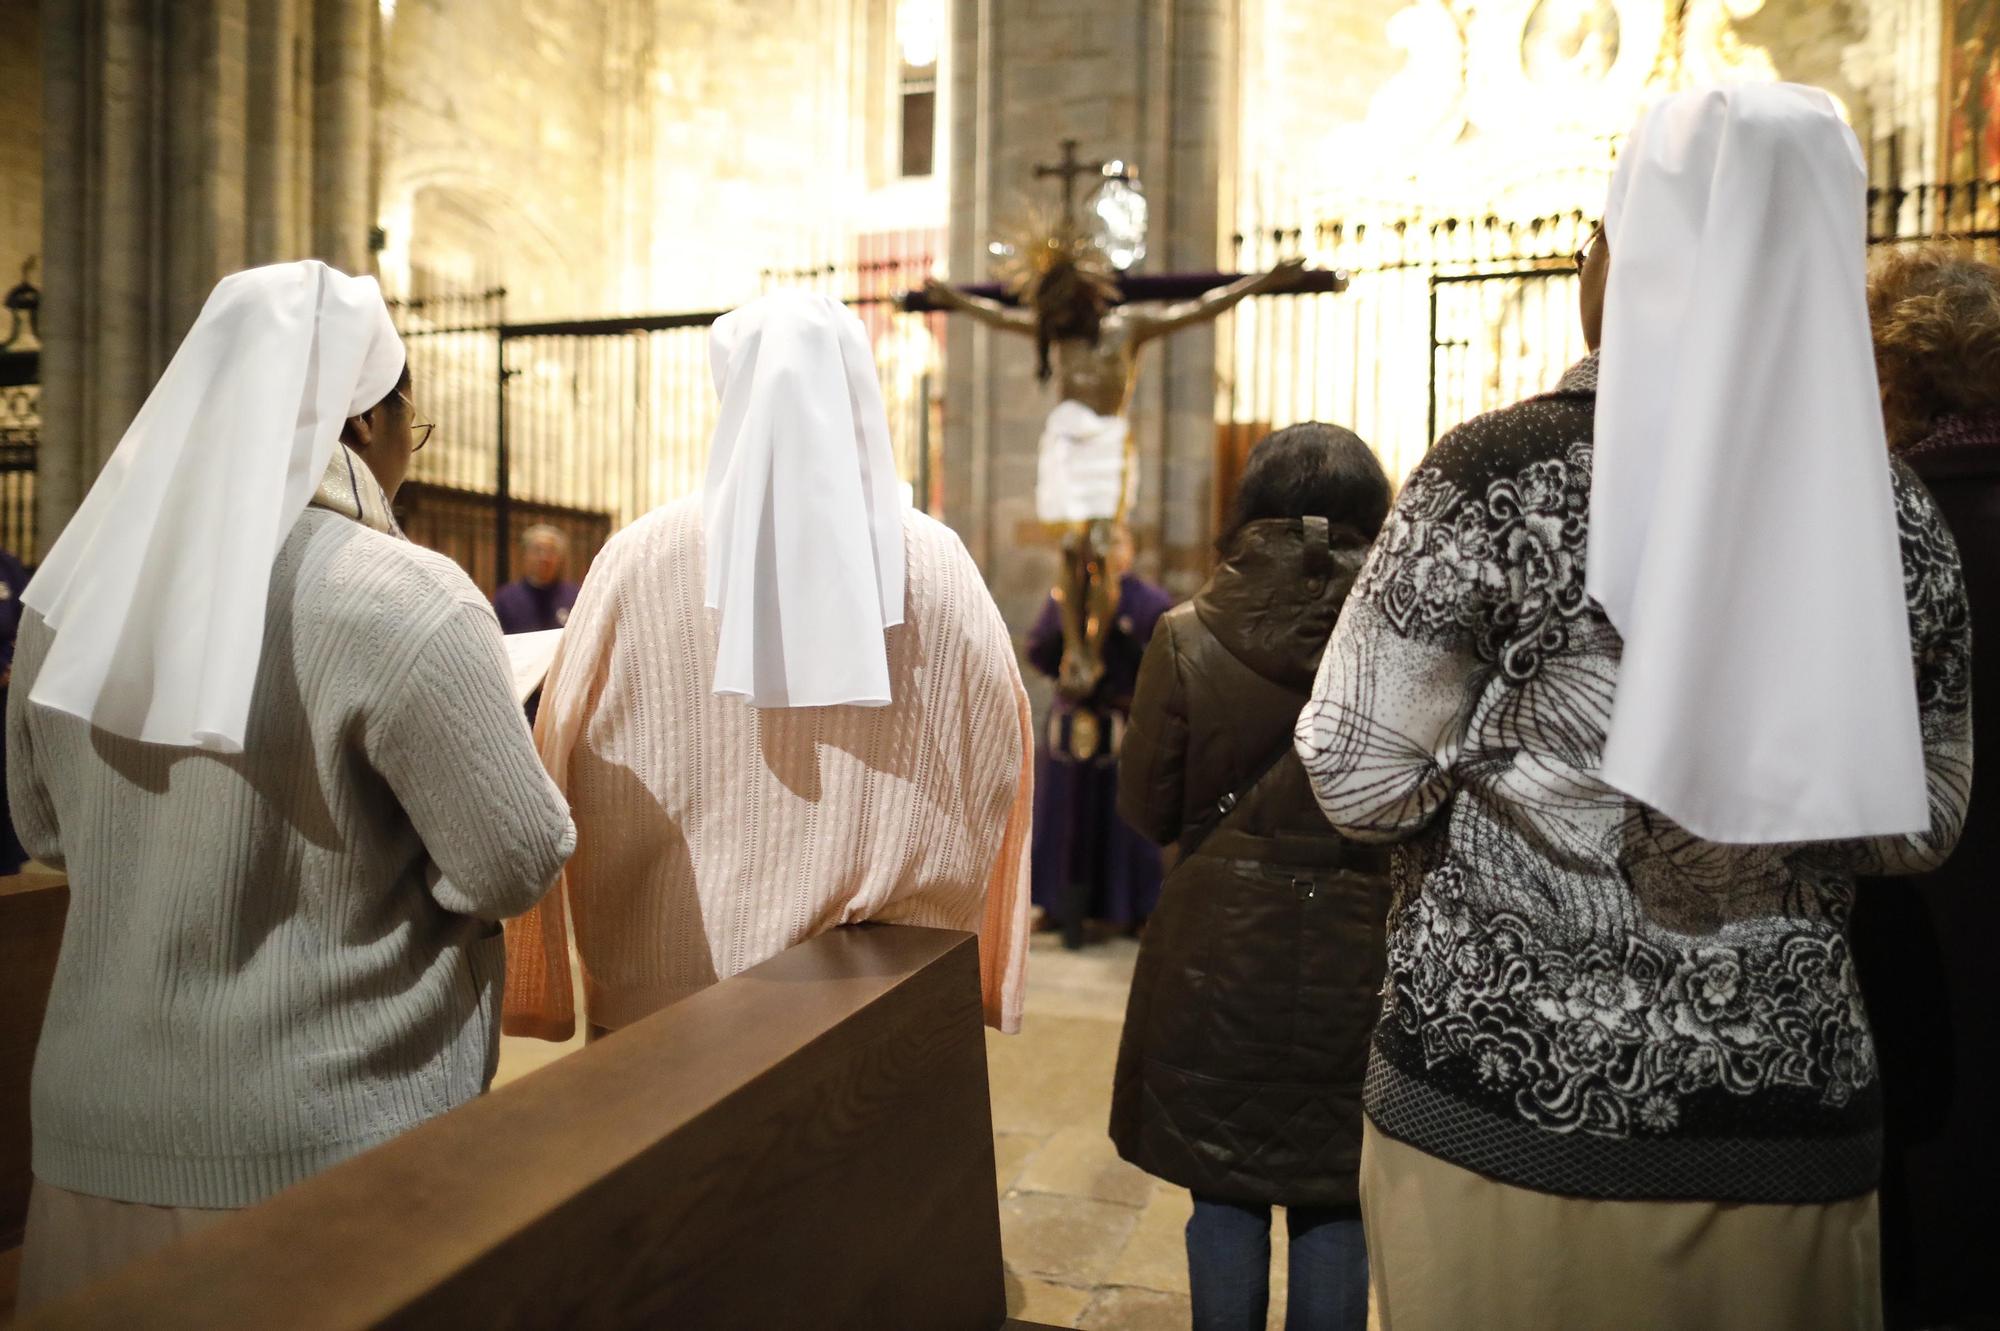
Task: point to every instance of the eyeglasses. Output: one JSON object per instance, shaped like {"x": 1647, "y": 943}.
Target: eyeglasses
{"x": 420, "y": 428}
{"x": 1583, "y": 255}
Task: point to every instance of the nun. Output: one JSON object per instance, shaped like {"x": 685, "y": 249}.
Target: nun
{"x": 276, "y": 748}
{"x": 1644, "y": 671}
{"x": 781, "y": 705}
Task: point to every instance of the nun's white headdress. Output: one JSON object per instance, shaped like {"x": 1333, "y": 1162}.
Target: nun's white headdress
{"x": 156, "y": 588}
{"x": 1742, "y": 528}
{"x": 802, "y": 514}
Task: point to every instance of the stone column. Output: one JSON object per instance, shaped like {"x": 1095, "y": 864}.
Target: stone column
{"x": 100, "y": 317}
{"x": 1191, "y": 118}
{"x": 1141, "y": 80}
{"x": 177, "y": 139}
{"x": 276, "y": 229}
{"x": 67, "y": 436}
{"x": 203, "y": 141}
{"x": 343, "y": 131}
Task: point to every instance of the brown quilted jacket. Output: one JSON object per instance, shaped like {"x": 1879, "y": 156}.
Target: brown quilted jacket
{"x": 1246, "y": 1037}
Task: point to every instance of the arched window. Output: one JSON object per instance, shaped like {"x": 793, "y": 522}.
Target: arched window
{"x": 919, "y": 37}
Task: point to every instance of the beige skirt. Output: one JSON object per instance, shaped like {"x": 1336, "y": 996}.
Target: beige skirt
{"x": 1450, "y": 1250}
{"x": 74, "y": 1240}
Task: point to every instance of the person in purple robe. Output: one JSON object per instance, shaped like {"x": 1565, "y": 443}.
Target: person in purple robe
{"x": 13, "y": 581}
{"x": 1088, "y": 863}
{"x": 541, "y": 598}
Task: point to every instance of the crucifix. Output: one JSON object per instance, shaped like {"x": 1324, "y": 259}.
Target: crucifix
{"x": 1069, "y": 168}
{"x": 1089, "y": 323}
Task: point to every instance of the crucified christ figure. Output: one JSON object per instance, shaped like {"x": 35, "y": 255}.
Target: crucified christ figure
{"x": 1086, "y": 475}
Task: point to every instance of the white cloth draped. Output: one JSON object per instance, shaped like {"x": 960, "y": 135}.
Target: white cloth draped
{"x": 1080, "y": 473}
{"x": 1742, "y": 529}
{"x": 802, "y": 515}
{"x": 156, "y": 588}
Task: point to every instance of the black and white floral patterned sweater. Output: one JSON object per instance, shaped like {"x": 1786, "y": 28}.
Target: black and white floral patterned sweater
{"x": 1582, "y": 997}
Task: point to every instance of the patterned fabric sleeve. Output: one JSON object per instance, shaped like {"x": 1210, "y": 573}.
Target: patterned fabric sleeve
{"x": 1395, "y": 689}
{"x": 1941, "y": 638}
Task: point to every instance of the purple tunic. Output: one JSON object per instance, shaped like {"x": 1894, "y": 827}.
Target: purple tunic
{"x": 525, "y": 608}
{"x": 13, "y": 581}
{"x": 1078, "y": 833}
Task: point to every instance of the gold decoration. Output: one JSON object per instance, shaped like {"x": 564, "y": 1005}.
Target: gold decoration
{"x": 1039, "y": 244}
{"x": 1085, "y": 735}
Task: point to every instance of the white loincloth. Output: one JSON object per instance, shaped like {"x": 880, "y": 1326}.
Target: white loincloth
{"x": 1081, "y": 476}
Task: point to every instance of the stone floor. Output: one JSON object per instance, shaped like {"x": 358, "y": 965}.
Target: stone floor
{"x": 1090, "y": 1241}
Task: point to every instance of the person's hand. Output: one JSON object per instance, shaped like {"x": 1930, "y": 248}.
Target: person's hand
{"x": 1076, "y": 680}
{"x": 1285, "y": 274}
{"x": 939, "y": 294}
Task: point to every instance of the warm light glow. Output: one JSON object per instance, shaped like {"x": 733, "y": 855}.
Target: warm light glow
{"x": 1511, "y": 106}
{"x": 920, "y": 31}
{"x": 1120, "y": 210}
{"x": 388, "y": 11}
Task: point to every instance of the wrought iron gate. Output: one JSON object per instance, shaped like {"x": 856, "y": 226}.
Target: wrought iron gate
{"x": 1498, "y": 337}
{"x": 587, "y": 424}
{"x": 20, "y": 419}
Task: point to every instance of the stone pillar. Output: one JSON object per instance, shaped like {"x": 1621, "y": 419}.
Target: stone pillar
{"x": 1142, "y": 80}
{"x": 175, "y": 146}
{"x": 343, "y": 131}
{"x": 1192, "y": 119}
{"x": 100, "y": 336}
{"x": 203, "y": 140}
{"x": 272, "y": 157}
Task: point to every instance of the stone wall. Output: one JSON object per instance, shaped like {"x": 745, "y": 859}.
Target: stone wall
{"x": 1307, "y": 67}
{"x": 763, "y": 115}
{"x": 629, "y": 155}
{"x": 1810, "y": 41}
{"x": 20, "y": 138}
{"x": 496, "y": 141}
{"x": 180, "y": 143}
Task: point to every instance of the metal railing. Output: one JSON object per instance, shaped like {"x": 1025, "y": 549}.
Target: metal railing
{"x": 20, "y": 418}
{"x": 1445, "y": 318}
{"x": 1442, "y": 318}
{"x": 595, "y": 422}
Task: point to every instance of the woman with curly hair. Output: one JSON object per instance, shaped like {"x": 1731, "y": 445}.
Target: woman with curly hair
{"x": 1922, "y": 944}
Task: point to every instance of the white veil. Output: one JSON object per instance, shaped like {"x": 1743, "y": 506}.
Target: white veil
{"x": 156, "y": 588}
{"x": 802, "y": 513}
{"x": 1742, "y": 527}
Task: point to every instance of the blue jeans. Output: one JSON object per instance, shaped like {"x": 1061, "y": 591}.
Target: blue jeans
{"x": 1229, "y": 1267}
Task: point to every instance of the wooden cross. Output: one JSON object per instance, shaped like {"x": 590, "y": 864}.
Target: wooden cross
{"x": 1069, "y": 169}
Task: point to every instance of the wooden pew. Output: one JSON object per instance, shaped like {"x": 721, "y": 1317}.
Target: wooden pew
{"x": 808, "y": 1144}
{"x": 32, "y": 906}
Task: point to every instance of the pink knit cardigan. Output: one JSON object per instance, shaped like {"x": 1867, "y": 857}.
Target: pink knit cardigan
{"x": 712, "y": 836}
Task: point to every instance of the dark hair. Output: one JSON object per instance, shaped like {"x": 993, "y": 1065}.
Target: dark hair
{"x": 1935, "y": 312}
{"x": 1313, "y": 470}
{"x": 1067, "y": 305}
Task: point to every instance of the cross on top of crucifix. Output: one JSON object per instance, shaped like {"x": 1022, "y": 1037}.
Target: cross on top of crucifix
{"x": 1070, "y": 168}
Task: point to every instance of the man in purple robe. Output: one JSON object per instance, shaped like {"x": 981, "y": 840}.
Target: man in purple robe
{"x": 1088, "y": 864}
{"x": 541, "y": 598}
